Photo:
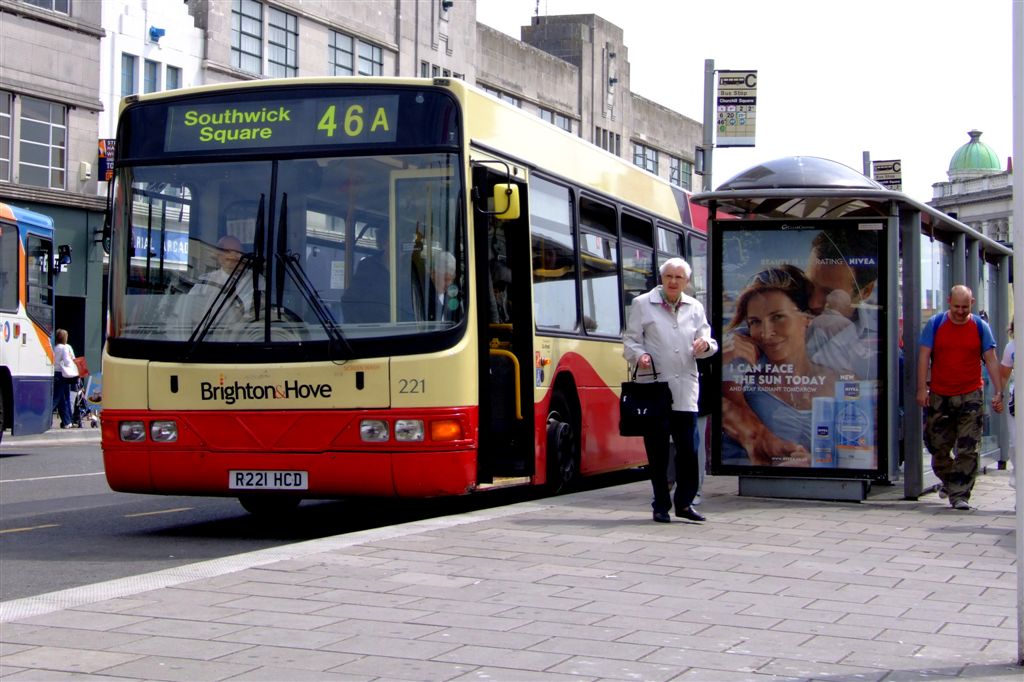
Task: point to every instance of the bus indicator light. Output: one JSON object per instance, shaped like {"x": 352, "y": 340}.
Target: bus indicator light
{"x": 448, "y": 429}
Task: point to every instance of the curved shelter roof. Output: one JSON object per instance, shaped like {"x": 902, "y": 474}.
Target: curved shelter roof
{"x": 811, "y": 187}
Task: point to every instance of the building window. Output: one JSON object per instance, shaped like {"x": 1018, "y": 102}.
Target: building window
{"x": 424, "y": 69}
{"x": 645, "y": 157}
{"x": 340, "y": 54}
{"x": 247, "y": 35}
{"x": 62, "y": 6}
{"x": 371, "y": 60}
{"x": 282, "y": 39}
{"x": 150, "y": 76}
{"x": 608, "y": 141}
{"x": 172, "y": 79}
{"x": 680, "y": 172}
{"x": 555, "y": 118}
{"x": 43, "y": 145}
{"x": 129, "y": 75}
{"x": 503, "y": 96}
{"x": 5, "y": 136}
{"x": 341, "y": 57}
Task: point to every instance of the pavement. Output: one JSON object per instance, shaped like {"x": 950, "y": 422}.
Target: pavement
{"x": 578, "y": 587}
{"x": 85, "y": 433}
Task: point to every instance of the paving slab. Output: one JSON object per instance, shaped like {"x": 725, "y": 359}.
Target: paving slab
{"x": 577, "y": 587}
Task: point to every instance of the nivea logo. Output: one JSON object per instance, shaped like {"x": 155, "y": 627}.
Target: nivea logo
{"x": 823, "y": 430}
{"x": 851, "y": 390}
{"x": 861, "y": 260}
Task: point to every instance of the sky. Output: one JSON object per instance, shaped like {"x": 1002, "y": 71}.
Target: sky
{"x": 899, "y": 79}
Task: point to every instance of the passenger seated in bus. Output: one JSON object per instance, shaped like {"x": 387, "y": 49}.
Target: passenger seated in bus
{"x": 443, "y": 301}
{"x": 368, "y": 296}
{"x": 238, "y": 307}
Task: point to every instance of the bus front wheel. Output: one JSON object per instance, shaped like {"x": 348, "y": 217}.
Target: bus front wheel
{"x": 269, "y": 505}
{"x": 563, "y": 446}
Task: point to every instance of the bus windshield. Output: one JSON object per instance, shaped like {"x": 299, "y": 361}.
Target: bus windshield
{"x": 328, "y": 219}
{"x": 290, "y": 251}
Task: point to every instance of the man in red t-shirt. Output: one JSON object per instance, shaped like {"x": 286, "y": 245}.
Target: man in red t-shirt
{"x": 953, "y": 344}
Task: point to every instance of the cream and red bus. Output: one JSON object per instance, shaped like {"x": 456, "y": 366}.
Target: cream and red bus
{"x": 323, "y": 288}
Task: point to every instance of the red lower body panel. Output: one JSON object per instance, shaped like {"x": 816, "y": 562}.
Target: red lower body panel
{"x": 326, "y": 445}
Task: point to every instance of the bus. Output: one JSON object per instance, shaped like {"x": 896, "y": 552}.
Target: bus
{"x": 336, "y": 287}
{"x": 26, "y": 321}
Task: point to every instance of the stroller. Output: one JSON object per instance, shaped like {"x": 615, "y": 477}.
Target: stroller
{"x": 83, "y": 411}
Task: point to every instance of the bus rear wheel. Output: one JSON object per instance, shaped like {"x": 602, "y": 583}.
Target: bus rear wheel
{"x": 268, "y": 506}
{"x": 563, "y": 452}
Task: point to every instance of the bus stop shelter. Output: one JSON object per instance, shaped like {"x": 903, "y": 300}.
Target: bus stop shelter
{"x": 878, "y": 263}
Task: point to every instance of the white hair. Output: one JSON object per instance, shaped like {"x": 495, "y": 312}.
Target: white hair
{"x": 676, "y": 263}
{"x": 443, "y": 261}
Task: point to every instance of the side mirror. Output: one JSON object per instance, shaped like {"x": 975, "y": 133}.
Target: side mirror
{"x": 63, "y": 257}
{"x": 506, "y": 201}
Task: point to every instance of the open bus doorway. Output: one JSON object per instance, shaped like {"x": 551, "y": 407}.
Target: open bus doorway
{"x": 502, "y": 263}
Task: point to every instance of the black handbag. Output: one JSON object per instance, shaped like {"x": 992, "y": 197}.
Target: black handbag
{"x": 644, "y": 405}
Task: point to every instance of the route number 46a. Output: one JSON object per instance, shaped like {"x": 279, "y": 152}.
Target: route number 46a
{"x": 354, "y": 122}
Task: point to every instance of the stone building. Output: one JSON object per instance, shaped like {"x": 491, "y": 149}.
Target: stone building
{"x": 66, "y": 64}
{"x": 49, "y": 113}
{"x": 979, "y": 191}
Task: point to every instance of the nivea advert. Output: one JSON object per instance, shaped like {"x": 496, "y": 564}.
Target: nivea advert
{"x": 800, "y": 345}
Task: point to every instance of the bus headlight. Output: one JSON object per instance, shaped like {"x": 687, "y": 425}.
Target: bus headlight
{"x": 409, "y": 429}
{"x": 132, "y": 432}
{"x": 373, "y": 430}
{"x": 163, "y": 431}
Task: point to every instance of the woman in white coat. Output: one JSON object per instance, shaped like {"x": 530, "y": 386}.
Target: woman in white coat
{"x": 668, "y": 331}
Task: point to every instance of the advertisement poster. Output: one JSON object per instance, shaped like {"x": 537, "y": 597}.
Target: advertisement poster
{"x": 799, "y": 320}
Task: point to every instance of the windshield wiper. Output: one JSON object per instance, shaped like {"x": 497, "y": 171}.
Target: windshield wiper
{"x": 289, "y": 262}
{"x": 220, "y": 301}
{"x": 254, "y": 261}
{"x": 257, "y": 266}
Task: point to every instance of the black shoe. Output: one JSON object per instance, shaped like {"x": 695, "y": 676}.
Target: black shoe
{"x": 690, "y": 513}
{"x": 662, "y": 517}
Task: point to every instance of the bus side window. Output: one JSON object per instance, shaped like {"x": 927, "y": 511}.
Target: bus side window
{"x": 554, "y": 273}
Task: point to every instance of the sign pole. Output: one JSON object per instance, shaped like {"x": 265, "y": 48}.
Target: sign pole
{"x": 709, "y": 121}
{"x": 1018, "y": 294}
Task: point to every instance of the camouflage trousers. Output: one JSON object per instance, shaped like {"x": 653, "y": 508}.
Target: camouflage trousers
{"x": 952, "y": 433}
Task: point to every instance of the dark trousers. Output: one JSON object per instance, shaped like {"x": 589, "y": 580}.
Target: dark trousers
{"x": 62, "y": 397}
{"x": 682, "y": 428}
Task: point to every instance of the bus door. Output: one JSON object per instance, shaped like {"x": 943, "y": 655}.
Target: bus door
{"x": 502, "y": 263}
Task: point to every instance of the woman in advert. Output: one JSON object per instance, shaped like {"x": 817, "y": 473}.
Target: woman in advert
{"x": 769, "y": 380}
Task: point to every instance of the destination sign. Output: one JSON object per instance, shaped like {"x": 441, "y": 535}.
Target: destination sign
{"x": 232, "y": 126}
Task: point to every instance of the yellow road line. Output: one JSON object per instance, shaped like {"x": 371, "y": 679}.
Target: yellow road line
{"x": 162, "y": 511}
{"x": 21, "y": 530}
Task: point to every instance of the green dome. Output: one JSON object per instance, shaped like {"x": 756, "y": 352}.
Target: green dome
{"x": 974, "y": 158}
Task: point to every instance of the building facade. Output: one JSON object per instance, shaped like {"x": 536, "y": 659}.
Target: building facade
{"x": 49, "y": 116}
{"x": 979, "y": 191}
{"x": 66, "y": 65}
